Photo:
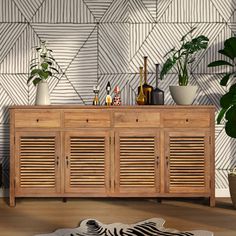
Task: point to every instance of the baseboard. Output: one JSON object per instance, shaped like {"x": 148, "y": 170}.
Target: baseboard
{"x": 222, "y": 192}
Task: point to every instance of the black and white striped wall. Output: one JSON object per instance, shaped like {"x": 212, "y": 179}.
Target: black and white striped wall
{"x": 95, "y": 41}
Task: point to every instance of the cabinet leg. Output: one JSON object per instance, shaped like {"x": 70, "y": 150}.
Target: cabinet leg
{"x": 64, "y": 199}
{"x": 159, "y": 200}
{"x": 212, "y": 201}
{"x": 12, "y": 201}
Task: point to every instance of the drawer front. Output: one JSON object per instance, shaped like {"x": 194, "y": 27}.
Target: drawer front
{"x": 85, "y": 118}
{"x": 186, "y": 119}
{"x": 137, "y": 119}
{"x": 37, "y": 119}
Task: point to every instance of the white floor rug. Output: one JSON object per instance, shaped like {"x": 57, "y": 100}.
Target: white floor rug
{"x": 151, "y": 227}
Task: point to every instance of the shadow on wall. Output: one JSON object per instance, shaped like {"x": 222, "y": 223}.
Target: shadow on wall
{"x": 5, "y": 152}
{"x": 233, "y": 141}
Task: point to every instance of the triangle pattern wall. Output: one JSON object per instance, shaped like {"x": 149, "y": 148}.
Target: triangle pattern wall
{"x": 96, "y": 41}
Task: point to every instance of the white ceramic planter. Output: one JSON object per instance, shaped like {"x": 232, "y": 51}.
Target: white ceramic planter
{"x": 42, "y": 93}
{"x": 183, "y": 95}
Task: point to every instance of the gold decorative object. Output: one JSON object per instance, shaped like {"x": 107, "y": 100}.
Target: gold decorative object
{"x": 147, "y": 89}
{"x": 96, "y": 101}
{"x": 141, "y": 99}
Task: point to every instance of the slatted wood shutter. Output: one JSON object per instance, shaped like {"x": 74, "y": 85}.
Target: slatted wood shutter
{"x": 137, "y": 161}
{"x": 37, "y": 164}
{"x": 87, "y": 162}
{"x": 186, "y": 162}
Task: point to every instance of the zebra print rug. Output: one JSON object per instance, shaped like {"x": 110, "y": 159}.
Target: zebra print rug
{"x": 151, "y": 227}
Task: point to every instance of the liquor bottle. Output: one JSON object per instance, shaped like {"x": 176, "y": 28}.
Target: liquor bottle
{"x": 147, "y": 89}
{"x": 157, "y": 94}
{"x": 116, "y": 100}
{"x": 96, "y": 101}
{"x": 141, "y": 99}
{"x": 108, "y": 100}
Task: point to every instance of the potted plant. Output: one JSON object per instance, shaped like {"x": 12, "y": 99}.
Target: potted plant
{"x": 228, "y": 100}
{"x": 41, "y": 68}
{"x": 182, "y": 58}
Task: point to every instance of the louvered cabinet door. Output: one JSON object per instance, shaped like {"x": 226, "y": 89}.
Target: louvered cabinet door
{"x": 137, "y": 163}
{"x": 87, "y": 163}
{"x": 187, "y": 162}
{"x": 37, "y": 163}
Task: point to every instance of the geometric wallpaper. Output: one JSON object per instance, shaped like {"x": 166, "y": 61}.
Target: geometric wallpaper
{"x": 96, "y": 41}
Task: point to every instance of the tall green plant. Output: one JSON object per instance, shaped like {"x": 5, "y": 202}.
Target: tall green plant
{"x": 184, "y": 56}
{"x": 228, "y": 100}
{"x": 42, "y": 67}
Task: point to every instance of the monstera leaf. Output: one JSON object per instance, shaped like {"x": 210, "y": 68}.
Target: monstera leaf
{"x": 228, "y": 100}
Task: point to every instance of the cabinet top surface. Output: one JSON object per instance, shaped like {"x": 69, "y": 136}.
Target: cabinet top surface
{"x": 72, "y": 106}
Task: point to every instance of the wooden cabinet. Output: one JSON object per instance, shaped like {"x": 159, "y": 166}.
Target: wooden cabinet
{"x": 139, "y": 151}
{"x": 87, "y": 162}
{"x": 137, "y": 156}
{"x": 37, "y": 163}
{"x": 187, "y": 161}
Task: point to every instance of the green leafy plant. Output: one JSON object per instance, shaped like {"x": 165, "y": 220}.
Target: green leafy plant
{"x": 228, "y": 100}
{"x": 184, "y": 56}
{"x": 42, "y": 67}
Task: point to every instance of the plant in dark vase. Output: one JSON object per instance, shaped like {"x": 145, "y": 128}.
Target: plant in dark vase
{"x": 41, "y": 69}
{"x": 228, "y": 100}
{"x": 182, "y": 58}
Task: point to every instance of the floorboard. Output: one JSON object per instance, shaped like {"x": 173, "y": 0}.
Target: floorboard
{"x": 39, "y": 215}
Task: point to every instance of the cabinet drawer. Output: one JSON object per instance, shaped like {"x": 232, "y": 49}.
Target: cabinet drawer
{"x": 137, "y": 119}
{"x": 37, "y": 119}
{"x": 185, "y": 119}
{"x": 85, "y": 118}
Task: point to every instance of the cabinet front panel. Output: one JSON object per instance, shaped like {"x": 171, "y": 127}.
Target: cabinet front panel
{"x": 137, "y": 119}
{"x": 37, "y": 119}
{"x": 87, "y": 119}
{"x": 37, "y": 163}
{"x": 87, "y": 162}
{"x": 137, "y": 163}
{"x": 186, "y": 119}
{"x": 187, "y": 162}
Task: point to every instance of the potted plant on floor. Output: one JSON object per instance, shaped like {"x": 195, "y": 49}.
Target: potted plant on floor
{"x": 184, "y": 94}
{"x": 228, "y": 100}
{"x": 41, "y": 68}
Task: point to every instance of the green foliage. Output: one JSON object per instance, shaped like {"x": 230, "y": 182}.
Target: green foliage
{"x": 184, "y": 56}
{"x": 41, "y": 67}
{"x": 228, "y": 100}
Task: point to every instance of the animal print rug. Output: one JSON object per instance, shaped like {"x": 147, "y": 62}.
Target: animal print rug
{"x": 151, "y": 227}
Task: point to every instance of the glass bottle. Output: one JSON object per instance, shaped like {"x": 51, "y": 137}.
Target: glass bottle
{"x": 141, "y": 99}
{"x": 108, "y": 100}
{"x": 96, "y": 101}
{"x": 147, "y": 89}
{"x": 117, "y": 99}
{"x": 157, "y": 94}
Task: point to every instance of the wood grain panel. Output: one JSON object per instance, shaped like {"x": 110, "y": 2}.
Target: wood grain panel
{"x": 88, "y": 119}
{"x": 186, "y": 163}
{"x": 137, "y": 162}
{"x": 37, "y": 119}
{"x": 186, "y": 119}
{"x": 137, "y": 119}
{"x": 37, "y": 162}
{"x": 86, "y": 162}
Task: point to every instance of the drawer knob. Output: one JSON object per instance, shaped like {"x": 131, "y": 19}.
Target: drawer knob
{"x": 186, "y": 120}
{"x": 136, "y": 120}
{"x": 37, "y": 120}
{"x": 87, "y": 120}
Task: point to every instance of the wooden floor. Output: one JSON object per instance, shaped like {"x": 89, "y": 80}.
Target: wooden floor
{"x": 34, "y": 216}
